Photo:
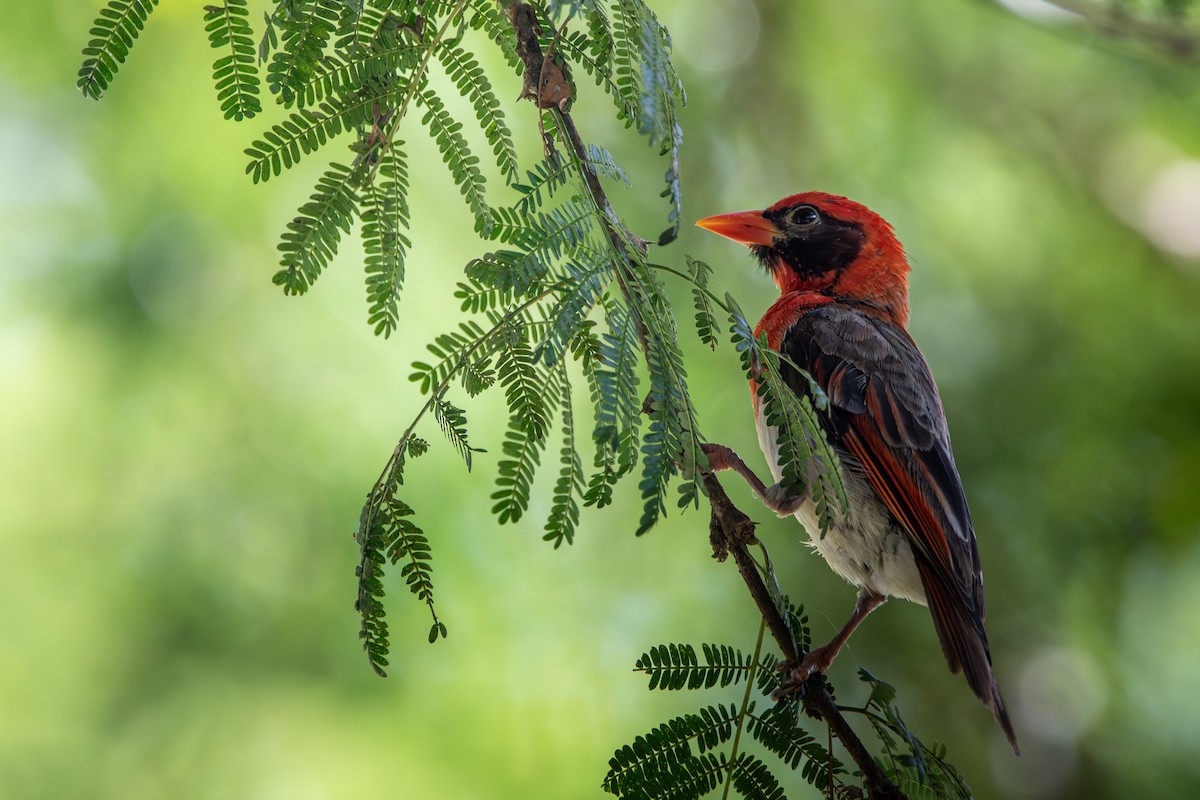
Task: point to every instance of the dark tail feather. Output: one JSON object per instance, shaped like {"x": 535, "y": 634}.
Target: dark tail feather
{"x": 965, "y": 644}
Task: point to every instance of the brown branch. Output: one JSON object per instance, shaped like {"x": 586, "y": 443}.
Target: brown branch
{"x": 542, "y": 71}
{"x": 1173, "y": 36}
{"x": 730, "y": 530}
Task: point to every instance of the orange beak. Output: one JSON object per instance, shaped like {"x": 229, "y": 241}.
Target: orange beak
{"x": 744, "y": 227}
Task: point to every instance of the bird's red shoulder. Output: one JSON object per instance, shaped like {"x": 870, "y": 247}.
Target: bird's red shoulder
{"x": 784, "y": 313}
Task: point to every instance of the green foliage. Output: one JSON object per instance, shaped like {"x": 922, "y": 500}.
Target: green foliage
{"x": 919, "y": 770}
{"x": 564, "y": 512}
{"x": 313, "y": 236}
{"x": 568, "y": 294}
{"x": 306, "y": 27}
{"x": 649, "y": 87}
{"x": 468, "y": 76}
{"x": 806, "y": 458}
{"x": 662, "y": 763}
{"x": 680, "y": 758}
{"x": 235, "y": 73}
{"x": 453, "y": 422}
{"x": 706, "y": 321}
{"x": 675, "y": 666}
{"x": 387, "y": 535}
{"x": 463, "y": 164}
{"x": 113, "y": 34}
{"x": 384, "y": 220}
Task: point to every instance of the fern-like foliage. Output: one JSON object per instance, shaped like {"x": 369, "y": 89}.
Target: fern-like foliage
{"x": 313, "y": 236}
{"x": 649, "y": 87}
{"x": 471, "y": 81}
{"x": 807, "y": 460}
{"x": 235, "y": 72}
{"x": 384, "y": 222}
{"x": 920, "y": 771}
{"x": 676, "y": 666}
{"x": 306, "y": 27}
{"x": 697, "y": 753}
{"x": 673, "y": 759}
{"x": 706, "y": 320}
{"x": 564, "y": 513}
{"x": 386, "y": 534}
{"x": 113, "y": 33}
{"x": 352, "y": 70}
{"x": 566, "y": 298}
{"x": 463, "y": 164}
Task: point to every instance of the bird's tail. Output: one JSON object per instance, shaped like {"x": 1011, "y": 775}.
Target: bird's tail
{"x": 965, "y": 644}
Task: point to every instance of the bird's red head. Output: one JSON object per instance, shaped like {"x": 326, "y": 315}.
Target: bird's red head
{"x": 825, "y": 244}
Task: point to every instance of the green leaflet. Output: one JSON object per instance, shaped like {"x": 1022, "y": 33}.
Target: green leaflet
{"x": 306, "y": 27}
{"x": 386, "y": 534}
{"x": 235, "y": 72}
{"x": 385, "y": 218}
{"x": 564, "y": 511}
{"x": 807, "y": 461}
{"x": 113, "y": 33}
{"x": 312, "y": 237}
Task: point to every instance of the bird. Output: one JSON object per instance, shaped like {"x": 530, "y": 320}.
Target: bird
{"x": 842, "y": 317}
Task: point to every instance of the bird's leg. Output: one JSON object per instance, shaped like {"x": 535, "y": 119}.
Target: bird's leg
{"x": 773, "y": 497}
{"x": 819, "y": 659}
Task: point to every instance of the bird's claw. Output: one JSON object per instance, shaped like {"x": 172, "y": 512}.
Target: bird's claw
{"x": 778, "y": 500}
{"x": 795, "y": 675}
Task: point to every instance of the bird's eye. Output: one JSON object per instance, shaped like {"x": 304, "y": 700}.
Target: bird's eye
{"x": 806, "y": 215}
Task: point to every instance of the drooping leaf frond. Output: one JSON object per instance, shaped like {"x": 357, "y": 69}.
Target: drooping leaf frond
{"x": 564, "y": 511}
{"x": 648, "y": 89}
{"x": 113, "y": 33}
{"x": 661, "y": 763}
{"x": 387, "y": 534}
{"x": 807, "y": 461}
{"x": 313, "y": 236}
{"x": 453, "y": 422}
{"x": 384, "y": 220}
{"x": 306, "y": 27}
{"x": 514, "y": 480}
{"x": 672, "y": 441}
{"x": 524, "y": 386}
{"x": 470, "y": 79}
{"x": 235, "y": 72}
{"x": 463, "y": 164}
{"x": 616, "y": 400}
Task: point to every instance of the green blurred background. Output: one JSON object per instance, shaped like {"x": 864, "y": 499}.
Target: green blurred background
{"x": 186, "y": 450}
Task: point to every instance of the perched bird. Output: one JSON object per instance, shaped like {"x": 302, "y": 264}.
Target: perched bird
{"x": 842, "y": 316}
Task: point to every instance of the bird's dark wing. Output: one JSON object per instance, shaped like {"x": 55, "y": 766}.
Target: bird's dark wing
{"x": 884, "y": 411}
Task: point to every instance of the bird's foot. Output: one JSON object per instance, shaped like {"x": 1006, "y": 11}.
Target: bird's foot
{"x": 794, "y": 675}
{"x": 778, "y": 500}
{"x": 721, "y": 458}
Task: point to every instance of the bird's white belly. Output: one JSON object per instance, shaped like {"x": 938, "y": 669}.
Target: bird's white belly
{"x": 865, "y": 545}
